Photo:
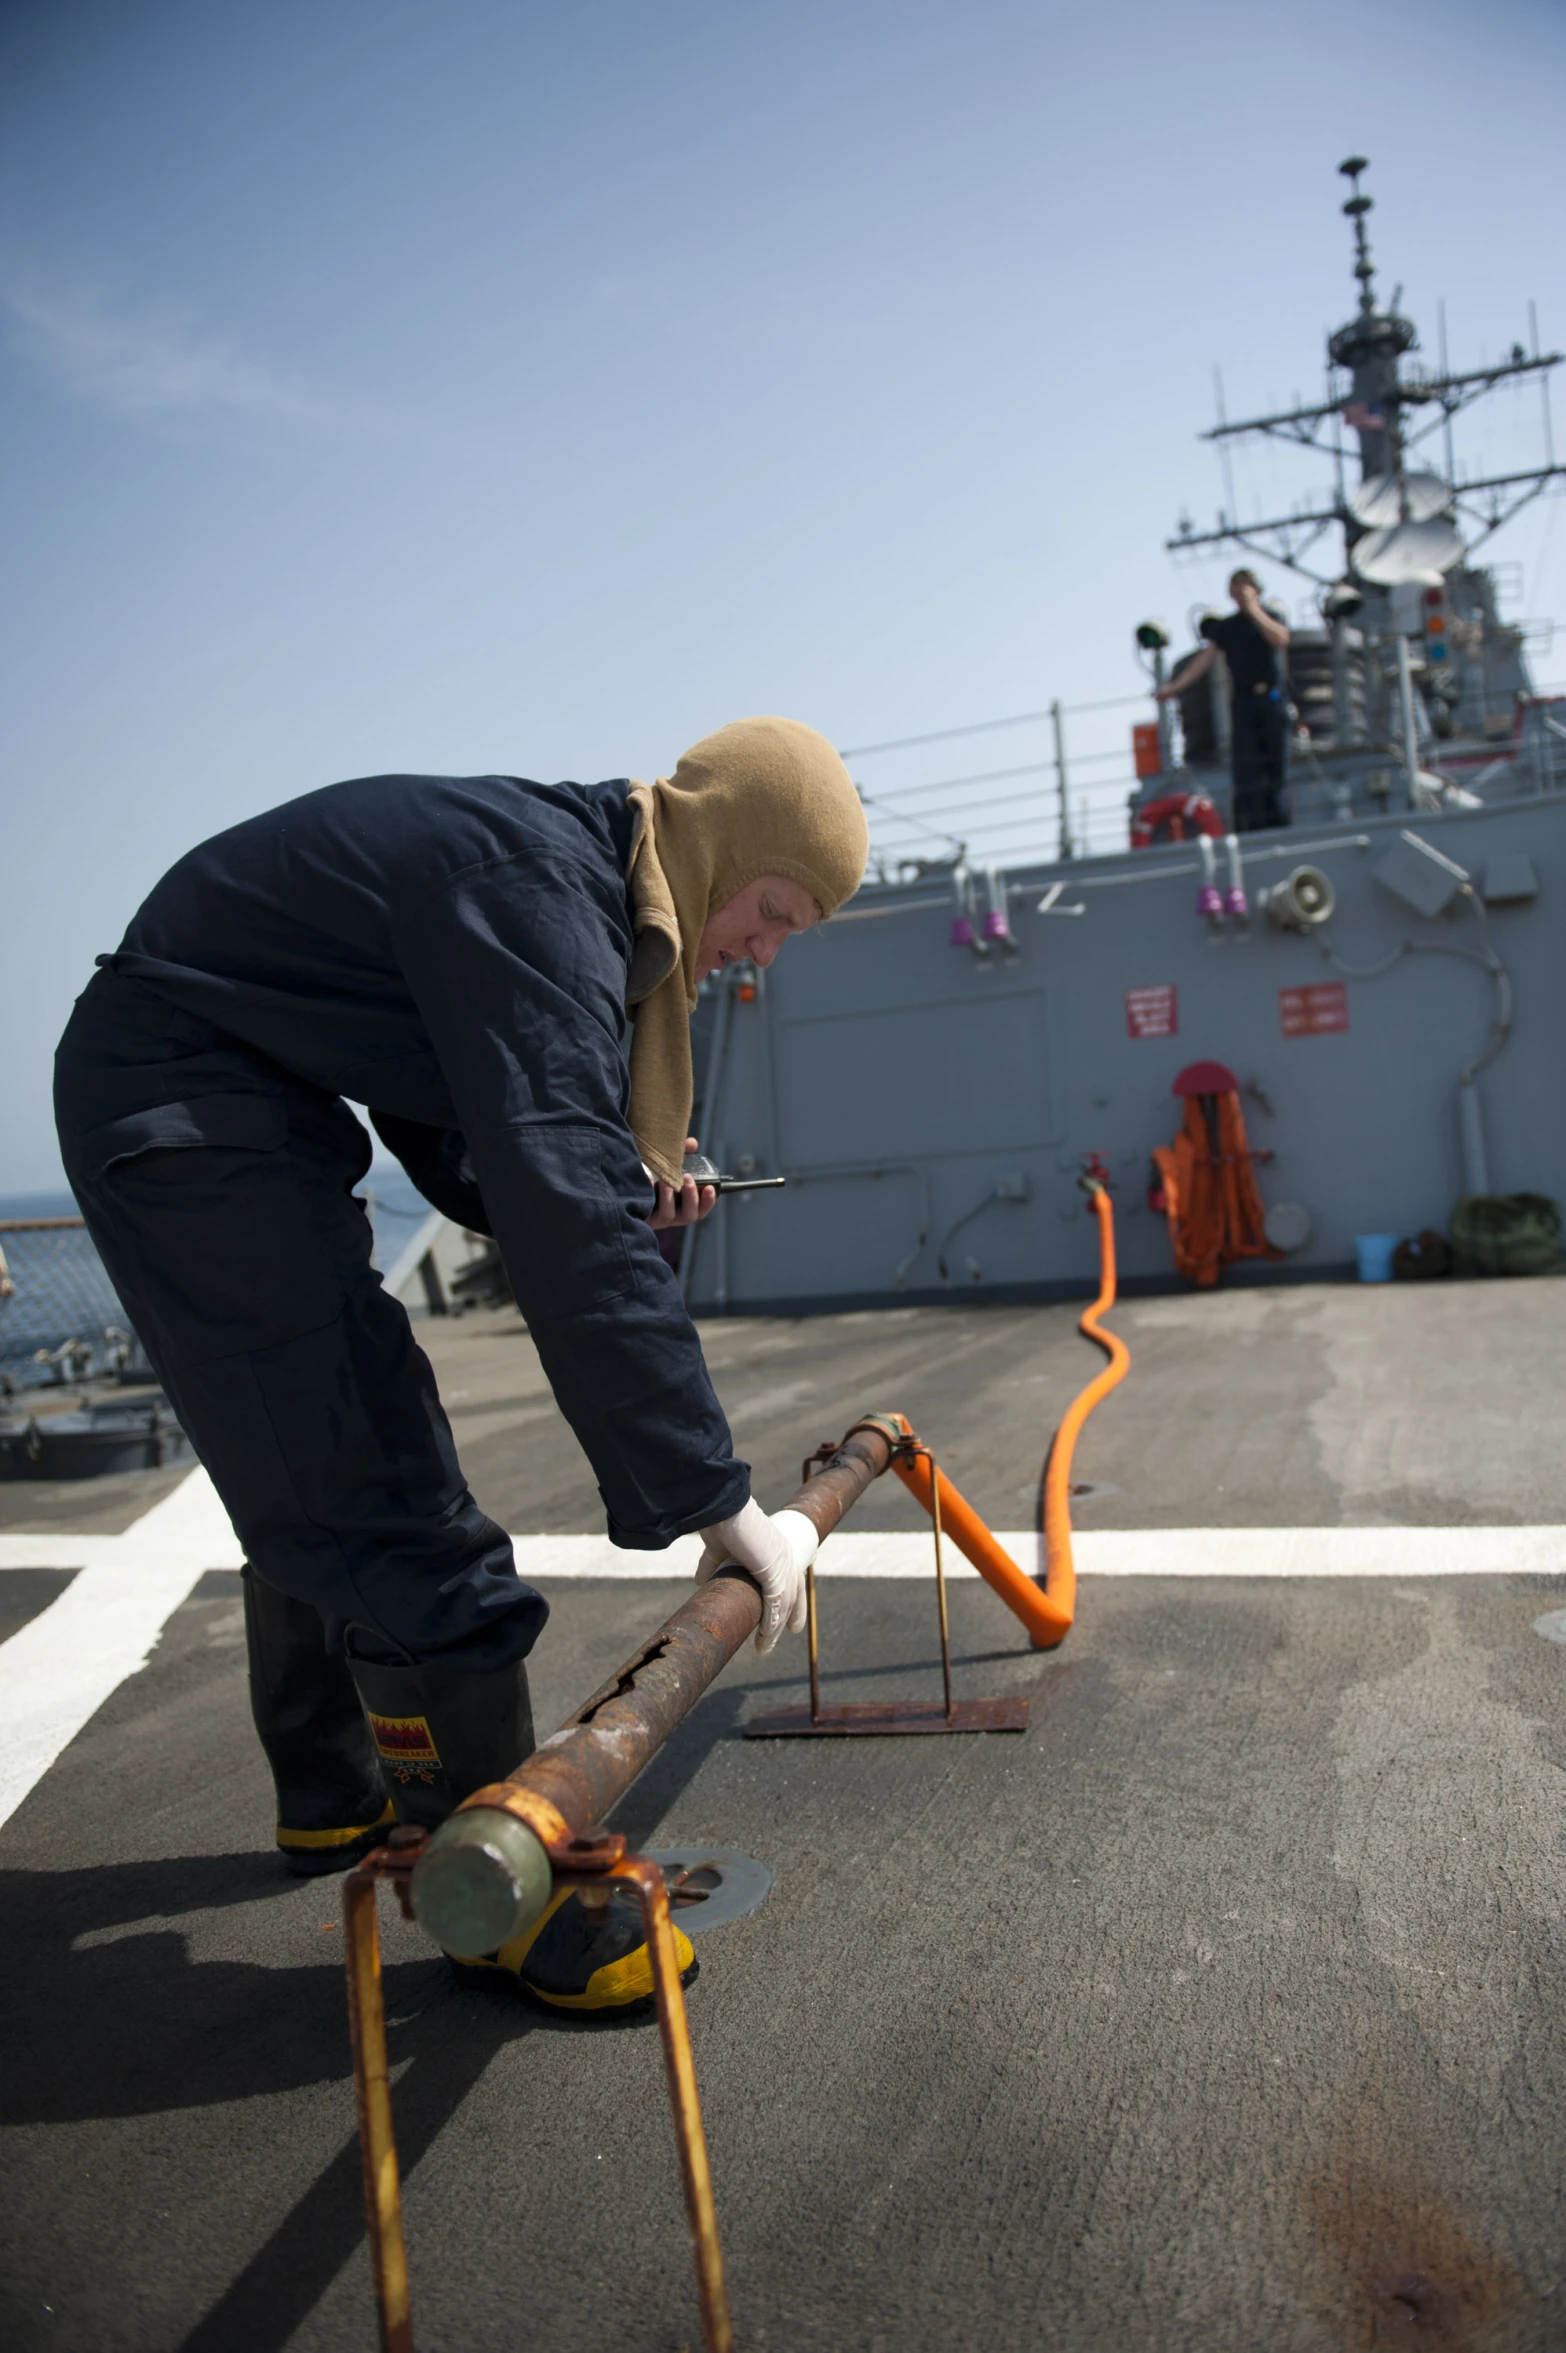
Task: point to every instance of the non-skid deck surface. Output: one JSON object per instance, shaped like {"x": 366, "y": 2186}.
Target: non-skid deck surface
{"x": 1310, "y": 1406}
{"x": 1220, "y": 2010}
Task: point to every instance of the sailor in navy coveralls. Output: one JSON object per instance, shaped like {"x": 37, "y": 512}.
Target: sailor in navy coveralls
{"x": 453, "y": 953}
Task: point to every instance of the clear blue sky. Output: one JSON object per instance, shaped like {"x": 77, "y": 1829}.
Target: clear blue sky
{"x": 394, "y": 385}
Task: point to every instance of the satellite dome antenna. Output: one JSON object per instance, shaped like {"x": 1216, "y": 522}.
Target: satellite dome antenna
{"x": 1401, "y": 528}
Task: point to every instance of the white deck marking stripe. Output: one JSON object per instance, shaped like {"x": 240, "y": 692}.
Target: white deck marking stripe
{"x": 1120, "y": 1552}
{"x": 189, "y": 1528}
{"x": 58, "y": 1669}
{"x": 61, "y": 1667}
{"x": 1322, "y": 1552}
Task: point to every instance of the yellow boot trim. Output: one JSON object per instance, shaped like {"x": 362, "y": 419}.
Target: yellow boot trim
{"x": 618, "y": 1983}
{"x": 306, "y": 1841}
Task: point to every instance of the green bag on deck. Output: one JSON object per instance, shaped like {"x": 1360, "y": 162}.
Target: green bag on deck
{"x": 1507, "y": 1234}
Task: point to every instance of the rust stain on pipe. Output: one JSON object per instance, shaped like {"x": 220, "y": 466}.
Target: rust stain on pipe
{"x": 589, "y": 1764}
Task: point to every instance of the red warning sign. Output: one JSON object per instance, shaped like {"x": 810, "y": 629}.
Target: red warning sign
{"x": 1152, "y": 1013}
{"x": 1314, "y": 1011}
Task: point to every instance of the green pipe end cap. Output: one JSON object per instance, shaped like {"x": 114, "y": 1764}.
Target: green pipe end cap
{"x": 484, "y": 1880}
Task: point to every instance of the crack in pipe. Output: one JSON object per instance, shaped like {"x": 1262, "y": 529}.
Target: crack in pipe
{"x": 622, "y": 1683}
{"x": 486, "y": 1874}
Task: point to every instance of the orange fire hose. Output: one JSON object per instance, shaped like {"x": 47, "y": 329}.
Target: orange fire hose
{"x": 1060, "y": 1576}
{"x": 1046, "y": 1608}
{"x": 1038, "y": 1609}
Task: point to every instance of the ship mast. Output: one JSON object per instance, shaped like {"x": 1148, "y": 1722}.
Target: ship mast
{"x": 1373, "y": 395}
{"x": 1369, "y": 348}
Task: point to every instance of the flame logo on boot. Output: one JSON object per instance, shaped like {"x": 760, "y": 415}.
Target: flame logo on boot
{"x": 406, "y": 1747}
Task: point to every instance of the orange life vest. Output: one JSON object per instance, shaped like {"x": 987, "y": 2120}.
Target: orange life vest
{"x": 1210, "y": 1197}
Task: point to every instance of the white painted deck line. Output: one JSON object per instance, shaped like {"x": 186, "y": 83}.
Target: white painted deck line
{"x": 58, "y": 1670}
{"x": 190, "y": 1529}
{"x": 1129, "y": 1552}
{"x": 1321, "y": 1552}
{"x": 189, "y": 1526}
{"x": 61, "y": 1667}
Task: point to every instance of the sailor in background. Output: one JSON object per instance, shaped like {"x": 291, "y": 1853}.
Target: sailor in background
{"x": 504, "y": 973}
{"x": 1252, "y": 640}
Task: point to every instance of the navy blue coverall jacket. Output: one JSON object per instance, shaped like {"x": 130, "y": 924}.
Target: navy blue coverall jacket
{"x": 453, "y": 953}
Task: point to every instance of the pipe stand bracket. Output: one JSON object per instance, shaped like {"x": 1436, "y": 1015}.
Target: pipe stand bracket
{"x": 574, "y": 1863}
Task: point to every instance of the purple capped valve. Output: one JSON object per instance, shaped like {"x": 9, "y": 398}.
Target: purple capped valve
{"x": 995, "y": 925}
{"x": 1235, "y": 901}
{"x": 1209, "y": 898}
{"x": 962, "y": 932}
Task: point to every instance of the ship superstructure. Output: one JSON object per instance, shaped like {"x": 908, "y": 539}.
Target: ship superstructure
{"x": 1413, "y": 687}
{"x": 931, "y": 1071}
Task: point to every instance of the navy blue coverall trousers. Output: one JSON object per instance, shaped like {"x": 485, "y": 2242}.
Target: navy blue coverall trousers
{"x": 452, "y": 952}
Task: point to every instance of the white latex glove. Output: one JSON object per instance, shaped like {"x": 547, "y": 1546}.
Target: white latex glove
{"x": 776, "y": 1551}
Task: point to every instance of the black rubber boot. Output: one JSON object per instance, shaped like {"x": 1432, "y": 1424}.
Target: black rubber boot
{"x": 331, "y": 1804}
{"x": 441, "y": 1733}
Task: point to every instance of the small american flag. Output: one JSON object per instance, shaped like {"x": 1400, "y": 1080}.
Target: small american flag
{"x": 1363, "y": 417}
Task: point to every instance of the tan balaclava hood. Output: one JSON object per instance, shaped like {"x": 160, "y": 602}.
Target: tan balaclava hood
{"x": 763, "y": 796}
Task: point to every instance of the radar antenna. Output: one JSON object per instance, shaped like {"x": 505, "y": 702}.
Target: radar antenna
{"x": 1371, "y": 393}
{"x": 1356, "y": 208}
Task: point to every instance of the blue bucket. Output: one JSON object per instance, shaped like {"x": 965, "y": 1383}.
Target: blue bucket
{"x": 1374, "y": 1252}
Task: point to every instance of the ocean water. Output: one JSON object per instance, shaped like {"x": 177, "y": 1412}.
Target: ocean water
{"x": 36, "y": 1205}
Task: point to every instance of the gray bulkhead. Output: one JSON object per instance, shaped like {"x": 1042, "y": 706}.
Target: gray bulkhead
{"x": 927, "y": 1104}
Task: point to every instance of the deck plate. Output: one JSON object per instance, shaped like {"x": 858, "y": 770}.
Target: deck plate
{"x": 885, "y": 1717}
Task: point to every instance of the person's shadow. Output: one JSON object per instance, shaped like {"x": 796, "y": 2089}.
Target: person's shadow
{"x": 117, "y": 2025}
{"x": 131, "y": 2026}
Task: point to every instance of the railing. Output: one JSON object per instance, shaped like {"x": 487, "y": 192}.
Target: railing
{"x": 1074, "y": 787}
{"x": 60, "y": 1320}
{"x": 59, "y": 1317}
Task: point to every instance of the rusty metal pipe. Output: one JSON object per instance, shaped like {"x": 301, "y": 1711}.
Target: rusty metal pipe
{"x": 486, "y": 1877}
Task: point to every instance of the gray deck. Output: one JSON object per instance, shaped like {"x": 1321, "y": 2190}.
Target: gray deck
{"x": 1220, "y": 2010}
{"x": 1310, "y": 1406}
